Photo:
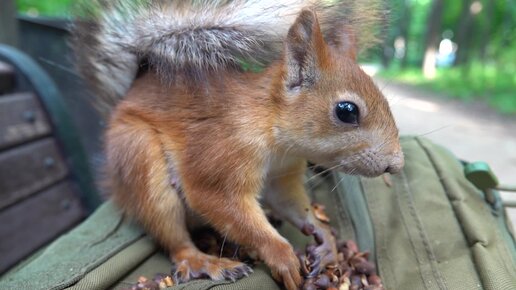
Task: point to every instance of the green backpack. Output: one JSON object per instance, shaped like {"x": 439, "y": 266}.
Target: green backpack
{"x": 426, "y": 228}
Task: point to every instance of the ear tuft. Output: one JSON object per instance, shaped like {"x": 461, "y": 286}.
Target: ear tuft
{"x": 343, "y": 38}
{"x": 304, "y": 50}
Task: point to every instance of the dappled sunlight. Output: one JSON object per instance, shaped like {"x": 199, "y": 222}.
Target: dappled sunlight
{"x": 420, "y": 105}
{"x": 471, "y": 132}
{"x": 370, "y": 68}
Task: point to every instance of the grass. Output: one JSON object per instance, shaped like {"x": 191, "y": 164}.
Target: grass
{"x": 496, "y": 85}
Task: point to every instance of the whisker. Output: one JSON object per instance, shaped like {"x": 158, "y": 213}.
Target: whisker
{"x": 433, "y": 131}
{"x": 235, "y": 254}
{"x": 382, "y": 145}
{"x": 308, "y": 167}
{"x": 223, "y": 244}
{"x": 336, "y": 185}
{"x": 286, "y": 152}
{"x": 322, "y": 165}
{"x": 340, "y": 164}
{"x": 385, "y": 84}
{"x": 59, "y": 66}
{"x": 313, "y": 184}
{"x": 322, "y": 172}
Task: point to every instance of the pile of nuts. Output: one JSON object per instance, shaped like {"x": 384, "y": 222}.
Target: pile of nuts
{"x": 160, "y": 281}
{"x": 353, "y": 271}
{"x": 206, "y": 240}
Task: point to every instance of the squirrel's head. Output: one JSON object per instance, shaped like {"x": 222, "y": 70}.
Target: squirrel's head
{"x": 331, "y": 111}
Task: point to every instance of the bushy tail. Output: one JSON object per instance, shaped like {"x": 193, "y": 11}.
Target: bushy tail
{"x": 113, "y": 38}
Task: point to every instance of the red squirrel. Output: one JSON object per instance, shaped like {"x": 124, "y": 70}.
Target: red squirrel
{"x": 193, "y": 138}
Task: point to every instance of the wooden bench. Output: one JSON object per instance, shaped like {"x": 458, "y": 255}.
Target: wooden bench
{"x": 45, "y": 184}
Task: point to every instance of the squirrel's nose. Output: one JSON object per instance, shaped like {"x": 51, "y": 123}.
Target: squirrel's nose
{"x": 396, "y": 163}
{"x": 392, "y": 169}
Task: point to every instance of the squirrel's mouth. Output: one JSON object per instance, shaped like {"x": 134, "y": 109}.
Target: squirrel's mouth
{"x": 369, "y": 163}
{"x": 359, "y": 170}
{"x": 364, "y": 163}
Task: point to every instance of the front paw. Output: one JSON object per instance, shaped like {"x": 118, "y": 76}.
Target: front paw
{"x": 320, "y": 255}
{"x": 283, "y": 263}
{"x": 192, "y": 264}
{"x": 318, "y": 258}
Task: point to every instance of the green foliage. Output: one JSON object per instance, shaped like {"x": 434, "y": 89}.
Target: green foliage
{"x": 485, "y": 32}
{"x": 417, "y": 29}
{"x": 489, "y": 70}
{"x": 52, "y": 8}
{"x": 477, "y": 82}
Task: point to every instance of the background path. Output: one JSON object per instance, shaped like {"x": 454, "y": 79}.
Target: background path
{"x": 472, "y": 131}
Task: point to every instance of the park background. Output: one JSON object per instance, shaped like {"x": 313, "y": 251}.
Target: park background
{"x": 447, "y": 67}
{"x": 463, "y": 49}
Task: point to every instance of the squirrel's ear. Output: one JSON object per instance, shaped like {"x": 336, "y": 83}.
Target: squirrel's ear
{"x": 343, "y": 38}
{"x": 305, "y": 51}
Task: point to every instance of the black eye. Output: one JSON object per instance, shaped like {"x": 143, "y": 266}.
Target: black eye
{"x": 347, "y": 112}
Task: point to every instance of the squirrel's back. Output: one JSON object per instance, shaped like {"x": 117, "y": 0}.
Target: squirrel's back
{"x": 114, "y": 39}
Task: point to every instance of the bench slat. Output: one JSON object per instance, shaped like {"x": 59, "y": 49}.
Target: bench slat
{"x": 27, "y": 226}
{"x": 6, "y": 78}
{"x": 21, "y": 119}
{"x": 27, "y": 169}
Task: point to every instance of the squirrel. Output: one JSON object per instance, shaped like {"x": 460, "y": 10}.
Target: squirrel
{"x": 195, "y": 138}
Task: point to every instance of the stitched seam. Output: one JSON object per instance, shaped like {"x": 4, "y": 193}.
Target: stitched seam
{"x": 411, "y": 240}
{"x": 380, "y": 240}
{"x": 346, "y": 227}
{"x": 502, "y": 248}
{"x": 342, "y": 212}
{"x": 446, "y": 189}
{"x": 103, "y": 256}
{"x": 422, "y": 235}
{"x": 506, "y": 252}
{"x": 444, "y": 185}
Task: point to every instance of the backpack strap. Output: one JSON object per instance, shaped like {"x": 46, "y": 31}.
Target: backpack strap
{"x": 433, "y": 228}
{"x": 74, "y": 255}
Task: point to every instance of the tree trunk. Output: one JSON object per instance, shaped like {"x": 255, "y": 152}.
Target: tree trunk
{"x": 432, "y": 39}
{"x": 386, "y": 55}
{"x": 487, "y": 29}
{"x": 8, "y": 23}
{"x": 404, "y": 32}
{"x": 463, "y": 31}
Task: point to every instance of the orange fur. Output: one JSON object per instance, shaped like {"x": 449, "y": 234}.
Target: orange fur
{"x": 212, "y": 148}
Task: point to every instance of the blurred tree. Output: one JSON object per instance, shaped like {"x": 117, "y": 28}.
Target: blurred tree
{"x": 433, "y": 35}
{"x": 487, "y": 29}
{"x": 404, "y": 30}
{"x": 463, "y": 29}
{"x": 478, "y": 35}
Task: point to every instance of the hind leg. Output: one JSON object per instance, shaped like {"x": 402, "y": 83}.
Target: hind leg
{"x": 143, "y": 186}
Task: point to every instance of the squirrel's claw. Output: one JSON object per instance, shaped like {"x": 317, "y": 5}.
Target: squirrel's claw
{"x": 213, "y": 268}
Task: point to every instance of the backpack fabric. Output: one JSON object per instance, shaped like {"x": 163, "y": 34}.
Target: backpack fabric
{"x": 426, "y": 228}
